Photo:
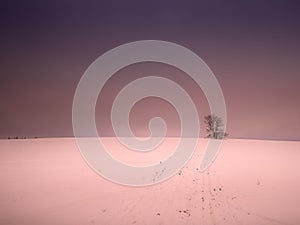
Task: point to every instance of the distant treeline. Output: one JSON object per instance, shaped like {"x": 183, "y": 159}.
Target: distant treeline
{"x": 21, "y": 137}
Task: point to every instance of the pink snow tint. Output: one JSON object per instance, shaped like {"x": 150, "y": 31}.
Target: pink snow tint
{"x": 46, "y": 181}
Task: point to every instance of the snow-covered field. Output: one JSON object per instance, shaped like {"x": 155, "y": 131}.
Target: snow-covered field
{"x": 46, "y": 181}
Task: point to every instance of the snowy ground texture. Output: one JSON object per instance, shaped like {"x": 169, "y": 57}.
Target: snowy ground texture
{"x": 46, "y": 181}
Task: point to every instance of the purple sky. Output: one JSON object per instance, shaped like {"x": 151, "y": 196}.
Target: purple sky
{"x": 253, "y": 48}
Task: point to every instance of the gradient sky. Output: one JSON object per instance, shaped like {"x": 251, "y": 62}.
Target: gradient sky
{"x": 253, "y": 48}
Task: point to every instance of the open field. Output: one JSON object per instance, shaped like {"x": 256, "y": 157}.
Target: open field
{"x": 46, "y": 181}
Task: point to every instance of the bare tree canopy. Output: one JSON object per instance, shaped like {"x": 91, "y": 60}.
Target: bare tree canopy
{"x": 214, "y": 127}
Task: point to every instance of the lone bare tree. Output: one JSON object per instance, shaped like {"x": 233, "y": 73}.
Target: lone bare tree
{"x": 214, "y": 127}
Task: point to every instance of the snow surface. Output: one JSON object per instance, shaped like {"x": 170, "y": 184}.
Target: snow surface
{"x": 46, "y": 181}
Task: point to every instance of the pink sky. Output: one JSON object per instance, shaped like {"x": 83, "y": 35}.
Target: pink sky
{"x": 252, "y": 48}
